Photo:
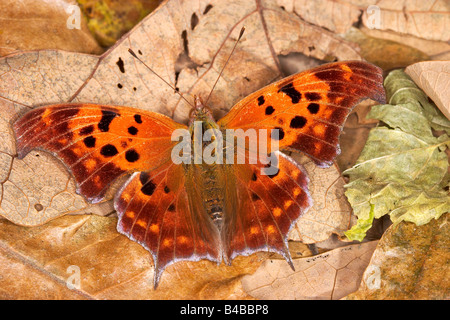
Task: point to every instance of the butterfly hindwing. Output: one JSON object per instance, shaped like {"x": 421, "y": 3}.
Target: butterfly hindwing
{"x": 309, "y": 108}
{"x": 268, "y": 206}
{"x": 97, "y": 143}
{"x": 160, "y": 210}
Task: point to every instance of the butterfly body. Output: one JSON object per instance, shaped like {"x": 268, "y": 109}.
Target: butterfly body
{"x": 217, "y": 200}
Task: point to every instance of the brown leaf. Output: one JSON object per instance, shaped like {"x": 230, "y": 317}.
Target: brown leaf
{"x": 410, "y": 262}
{"x": 45, "y": 77}
{"x": 38, "y": 263}
{"x": 386, "y": 54}
{"x": 330, "y": 275}
{"x": 436, "y": 50}
{"x": 433, "y": 77}
{"x": 36, "y": 24}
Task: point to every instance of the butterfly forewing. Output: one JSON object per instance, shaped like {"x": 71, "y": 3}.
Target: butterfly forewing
{"x": 309, "y": 108}
{"x": 97, "y": 143}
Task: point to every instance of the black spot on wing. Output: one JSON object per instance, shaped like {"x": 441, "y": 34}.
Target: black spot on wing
{"x": 89, "y": 141}
{"x": 269, "y": 110}
{"x": 86, "y": 130}
{"x": 148, "y": 188}
{"x": 132, "y": 130}
{"x": 312, "y": 96}
{"x": 298, "y": 122}
{"x": 138, "y": 118}
{"x": 107, "y": 118}
{"x": 131, "y": 155}
{"x": 313, "y": 108}
{"x": 290, "y": 91}
{"x": 261, "y": 100}
{"x": 108, "y": 151}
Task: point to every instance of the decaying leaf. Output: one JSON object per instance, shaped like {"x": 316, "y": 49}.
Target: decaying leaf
{"x": 410, "y": 262}
{"x": 433, "y": 77}
{"x": 34, "y": 25}
{"x": 402, "y": 169}
{"x": 330, "y": 275}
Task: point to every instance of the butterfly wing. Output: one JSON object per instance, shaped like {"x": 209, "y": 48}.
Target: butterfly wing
{"x": 309, "y": 108}
{"x": 267, "y": 206}
{"x": 161, "y": 209}
{"x": 97, "y": 143}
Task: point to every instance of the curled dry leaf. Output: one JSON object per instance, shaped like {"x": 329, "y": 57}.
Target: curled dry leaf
{"x": 34, "y": 25}
{"x": 330, "y": 275}
{"x": 433, "y": 77}
{"x": 410, "y": 262}
{"x": 116, "y": 78}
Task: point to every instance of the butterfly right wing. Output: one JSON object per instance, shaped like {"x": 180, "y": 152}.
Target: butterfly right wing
{"x": 161, "y": 210}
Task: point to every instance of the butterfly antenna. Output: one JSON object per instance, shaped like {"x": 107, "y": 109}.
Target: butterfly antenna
{"x": 174, "y": 89}
{"x": 220, "y": 74}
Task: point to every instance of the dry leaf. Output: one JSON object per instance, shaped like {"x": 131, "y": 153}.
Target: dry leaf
{"x": 337, "y": 16}
{"x": 423, "y": 19}
{"x": 433, "y": 77}
{"x": 410, "y": 262}
{"x": 330, "y": 275}
{"x": 331, "y": 213}
{"x": 43, "y": 262}
{"x": 386, "y": 54}
{"x": 436, "y": 50}
{"x": 116, "y": 78}
{"x": 37, "y": 24}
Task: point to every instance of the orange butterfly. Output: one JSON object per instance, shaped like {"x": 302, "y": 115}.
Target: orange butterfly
{"x": 205, "y": 211}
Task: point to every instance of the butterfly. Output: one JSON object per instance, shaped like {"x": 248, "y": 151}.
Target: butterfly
{"x": 215, "y": 211}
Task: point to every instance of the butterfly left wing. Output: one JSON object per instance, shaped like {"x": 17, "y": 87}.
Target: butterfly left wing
{"x": 97, "y": 143}
{"x": 309, "y": 108}
{"x": 161, "y": 210}
{"x": 268, "y": 204}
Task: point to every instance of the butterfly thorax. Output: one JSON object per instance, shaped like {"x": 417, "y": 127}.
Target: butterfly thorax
{"x": 207, "y": 172}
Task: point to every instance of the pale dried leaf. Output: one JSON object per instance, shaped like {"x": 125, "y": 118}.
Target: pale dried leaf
{"x": 433, "y": 77}
{"x": 330, "y": 275}
{"x": 331, "y": 212}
